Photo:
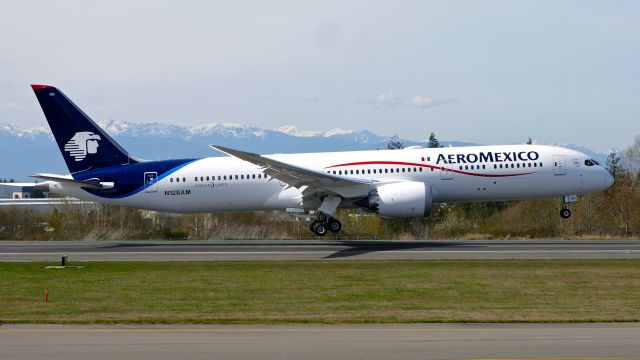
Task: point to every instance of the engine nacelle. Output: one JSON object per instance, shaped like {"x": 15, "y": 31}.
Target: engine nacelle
{"x": 408, "y": 199}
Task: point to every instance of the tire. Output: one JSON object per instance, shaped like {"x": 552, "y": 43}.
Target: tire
{"x": 565, "y": 213}
{"x": 313, "y": 224}
{"x": 334, "y": 225}
{"x": 320, "y": 229}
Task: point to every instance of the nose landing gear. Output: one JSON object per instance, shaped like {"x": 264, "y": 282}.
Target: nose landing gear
{"x": 565, "y": 213}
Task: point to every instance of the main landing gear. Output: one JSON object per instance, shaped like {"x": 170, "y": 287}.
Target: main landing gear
{"x": 325, "y": 223}
{"x": 565, "y": 213}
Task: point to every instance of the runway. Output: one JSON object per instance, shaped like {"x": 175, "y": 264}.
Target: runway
{"x": 370, "y": 342}
{"x": 315, "y": 250}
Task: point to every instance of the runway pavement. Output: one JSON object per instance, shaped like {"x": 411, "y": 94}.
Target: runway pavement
{"x": 314, "y": 249}
{"x": 370, "y": 342}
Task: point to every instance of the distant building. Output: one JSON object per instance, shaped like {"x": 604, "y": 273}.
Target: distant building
{"x": 22, "y": 192}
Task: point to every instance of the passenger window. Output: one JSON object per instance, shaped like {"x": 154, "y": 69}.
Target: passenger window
{"x": 196, "y": 178}
{"x": 236, "y": 177}
{"x": 171, "y": 180}
{"x": 535, "y": 164}
{"x": 225, "y": 177}
{"x": 466, "y": 167}
{"x": 184, "y": 179}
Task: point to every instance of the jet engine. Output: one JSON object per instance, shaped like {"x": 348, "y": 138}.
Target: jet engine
{"x": 408, "y": 199}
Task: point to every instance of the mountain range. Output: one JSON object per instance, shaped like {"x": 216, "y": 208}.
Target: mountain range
{"x": 32, "y": 150}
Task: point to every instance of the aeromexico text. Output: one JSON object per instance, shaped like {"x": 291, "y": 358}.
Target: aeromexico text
{"x": 488, "y": 157}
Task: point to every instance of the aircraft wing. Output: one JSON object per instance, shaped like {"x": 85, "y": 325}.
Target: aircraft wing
{"x": 297, "y": 176}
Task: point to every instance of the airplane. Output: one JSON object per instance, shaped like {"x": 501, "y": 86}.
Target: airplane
{"x": 390, "y": 183}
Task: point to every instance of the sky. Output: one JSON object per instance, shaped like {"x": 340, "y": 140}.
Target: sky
{"x": 489, "y": 72}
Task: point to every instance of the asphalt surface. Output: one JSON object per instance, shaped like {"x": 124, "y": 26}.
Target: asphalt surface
{"x": 370, "y": 342}
{"x": 314, "y": 249}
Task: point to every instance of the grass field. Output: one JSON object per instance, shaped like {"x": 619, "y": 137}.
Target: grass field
{"x": 323, "y": 291}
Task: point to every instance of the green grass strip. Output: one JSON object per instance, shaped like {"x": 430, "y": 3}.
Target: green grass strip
{"x": 323, "y": 291}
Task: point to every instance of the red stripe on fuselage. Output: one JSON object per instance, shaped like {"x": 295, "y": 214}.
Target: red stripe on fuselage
{"x": 424, "y": 166}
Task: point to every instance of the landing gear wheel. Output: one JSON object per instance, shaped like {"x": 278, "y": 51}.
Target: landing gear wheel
{"x": 334, "y": 225}
{"x": 319, "y": 228}
{"x": 565, "y": 213}
{"x": 312, "y": 225}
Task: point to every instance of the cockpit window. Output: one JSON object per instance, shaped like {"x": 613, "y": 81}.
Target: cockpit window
{"x": 595, "y": 162}
{"x": 590, "y": 162}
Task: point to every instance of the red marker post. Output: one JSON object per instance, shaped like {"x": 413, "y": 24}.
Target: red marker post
{"x": 46, "y": 295}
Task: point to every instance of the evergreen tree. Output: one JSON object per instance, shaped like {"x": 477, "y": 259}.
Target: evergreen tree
{"x": 433, "y": 141}
{"x": 395, "y": 143}
{"x": 613, "y": 164}
{"x": 530, "y": 141}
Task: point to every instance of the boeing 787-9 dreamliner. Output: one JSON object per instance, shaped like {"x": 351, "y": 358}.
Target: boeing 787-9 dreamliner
{"x": 391, "y": 183}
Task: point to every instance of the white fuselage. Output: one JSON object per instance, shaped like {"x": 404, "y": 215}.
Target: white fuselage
{"x": 230, "y": 184}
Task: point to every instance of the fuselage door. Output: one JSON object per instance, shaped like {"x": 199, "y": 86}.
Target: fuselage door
{"x": 151, "y": 181}
{"x": 559, "y": 167}
{"x": 446, "y": 173}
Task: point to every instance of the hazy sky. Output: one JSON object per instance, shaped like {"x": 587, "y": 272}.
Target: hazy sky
{"x": 483, "y": 71}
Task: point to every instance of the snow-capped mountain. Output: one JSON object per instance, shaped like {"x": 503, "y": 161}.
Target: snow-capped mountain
{"x": 34, "y": 150}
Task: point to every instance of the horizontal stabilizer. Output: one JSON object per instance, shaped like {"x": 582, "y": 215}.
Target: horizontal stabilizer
{"x": 89, "y": 184}
{"x": 16, "y": 184}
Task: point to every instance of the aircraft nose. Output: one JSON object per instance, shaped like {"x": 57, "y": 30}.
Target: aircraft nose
{"x": 608, "y": 179}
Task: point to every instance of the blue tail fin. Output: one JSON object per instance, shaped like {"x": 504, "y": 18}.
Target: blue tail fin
{"x": 83, "y": 144}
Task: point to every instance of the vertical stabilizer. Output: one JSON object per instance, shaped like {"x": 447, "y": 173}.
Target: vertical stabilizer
{"x": 83, "y": 144}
